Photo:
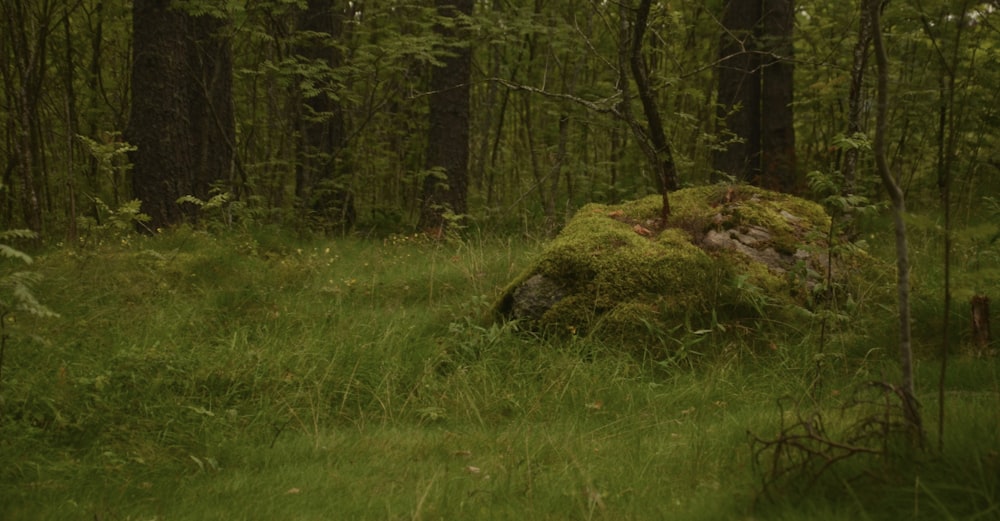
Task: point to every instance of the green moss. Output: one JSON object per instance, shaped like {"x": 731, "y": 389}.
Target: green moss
{"x": 627, "y": 277}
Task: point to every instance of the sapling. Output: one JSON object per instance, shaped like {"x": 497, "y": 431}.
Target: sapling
{"x": 16, "y": 289}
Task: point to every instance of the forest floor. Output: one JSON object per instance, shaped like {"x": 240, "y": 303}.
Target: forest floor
{"x": 255, "y": 376}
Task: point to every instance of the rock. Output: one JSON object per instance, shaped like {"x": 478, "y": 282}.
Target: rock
{"x": 533, "y": 297}
{"x": 727, "y": 253}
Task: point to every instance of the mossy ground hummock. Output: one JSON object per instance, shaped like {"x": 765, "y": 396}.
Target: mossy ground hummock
{"x": 728, "y": 252}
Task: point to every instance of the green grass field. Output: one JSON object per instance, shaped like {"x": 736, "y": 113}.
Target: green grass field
{"x": 256, "y": 376}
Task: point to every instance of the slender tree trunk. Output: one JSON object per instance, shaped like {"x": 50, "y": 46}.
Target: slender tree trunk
{"x": 445, "y": 190}
{"x": 855, "y": 100}
{"x": 72, "y": 125}
{"x": 651, "y": 138}
{"x": 911, "y": 407}
{"x": 619, "y": 140}
{"x": 555, "y": 172}
{"x": 527, "y": 122}
{"x": 26, "y": 31}
{"x": 664, "y": 163}
{"x": 946, "y": 147}
{"x": 981, "y": 336}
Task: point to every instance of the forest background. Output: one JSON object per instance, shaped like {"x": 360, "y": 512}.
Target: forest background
{"x": 187, "y": 162}
{"x": 321, "y": 114}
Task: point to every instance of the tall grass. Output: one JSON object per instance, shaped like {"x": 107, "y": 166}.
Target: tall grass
{"x": 259, "y": 376}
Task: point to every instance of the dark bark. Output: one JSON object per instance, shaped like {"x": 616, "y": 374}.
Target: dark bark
{"x": 182, "y": 116}
{"x": 755, "y": 94}
{"x": 663, "y": 161}
{"x": 777, "y": 124}
{"x": 321, "y": 171}
{"x": 25, "y": 31}
{"x": 739, "y": 91}
{"x": 651, "y": 138}
{"x": 445, "y": 189}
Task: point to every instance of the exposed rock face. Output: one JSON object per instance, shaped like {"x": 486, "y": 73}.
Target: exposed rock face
{"x": 616, "y": 272}
{"x": 533, "y": 297}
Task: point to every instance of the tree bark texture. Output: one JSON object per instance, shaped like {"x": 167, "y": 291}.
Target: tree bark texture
{"x": 445, "y": 189}
{"x": 182, "y": 117}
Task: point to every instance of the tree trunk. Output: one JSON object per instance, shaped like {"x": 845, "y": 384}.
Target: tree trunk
{"x": 910, "y": 405}
{"x": 321, "y": 169}
{"x": 182, "y": 115}
{"x": 24, "y": 74}
{"x": 981, "y": 322}
{"x": 739, "y": 91}
{"x": 445, "y": 189}
{"x": 664, "y": 161}
{"x": 855, "y": 99}
{"x": 777, "y": 88}
{"x": 651, "y": 138}
{"x": 72, "y": 126}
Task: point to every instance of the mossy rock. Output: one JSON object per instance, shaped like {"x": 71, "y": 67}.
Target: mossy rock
{"x": 727, "y": 253}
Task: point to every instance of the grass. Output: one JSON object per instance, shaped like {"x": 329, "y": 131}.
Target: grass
{"x": 258, "y": 376}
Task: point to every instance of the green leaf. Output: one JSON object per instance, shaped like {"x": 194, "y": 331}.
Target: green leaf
{"x": 12, "y": 253}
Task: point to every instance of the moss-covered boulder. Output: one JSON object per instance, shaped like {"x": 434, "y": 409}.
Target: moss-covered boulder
{"x": 727, "y": 253}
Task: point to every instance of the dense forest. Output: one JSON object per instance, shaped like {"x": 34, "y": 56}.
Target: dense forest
{"x": 388, "y": 116}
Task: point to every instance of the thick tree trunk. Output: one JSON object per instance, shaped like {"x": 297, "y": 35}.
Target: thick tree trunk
{"x": 321, "y": 169}
{"x": 445, "y": 189}
{"x": 777, "y": 124}
{"x": 182, "y": 116}
{"x": 739, "y": 91}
